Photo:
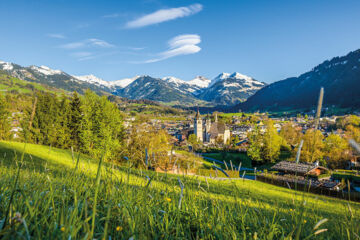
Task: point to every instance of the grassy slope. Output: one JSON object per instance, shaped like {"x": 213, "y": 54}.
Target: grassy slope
{"x": 10, "y": 83}
{"x": 233, "y": 157}
{"x": 57, "y": 202}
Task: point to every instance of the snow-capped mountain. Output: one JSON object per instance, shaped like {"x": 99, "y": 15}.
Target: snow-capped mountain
{"x": 181, "y": 85}
{"x": 167, "y": 89}
{"x": 6, "y": 66}
{"x": 230, "y": 89}
{"x": 54, "y": 78}
{"x": 219, "y": 78}
{"x": 93, "y": 80}
{"x": 200, "y": 81}
{"x": 45, "y": 70}
{"x": 225, "y": 89}
{"x": 123, "y": 82}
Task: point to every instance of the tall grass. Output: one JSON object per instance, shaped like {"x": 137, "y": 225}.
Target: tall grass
{"x": 57, "y": 202}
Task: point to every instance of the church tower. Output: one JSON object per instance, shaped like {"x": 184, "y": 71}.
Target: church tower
{"x": 207, "y": 128}
{"x": 198, "y": 126}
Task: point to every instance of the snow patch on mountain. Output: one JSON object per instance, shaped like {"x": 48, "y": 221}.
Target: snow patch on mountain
{"x": 46, "y": 70}
{"x": 124, "y": 82}
{"x": 6, "y": 66}
{"x": 200, "y": 81}
{"x": 93, "y": 80}
{"x": 174, "y": 80}
{"x": 220, "y": 77}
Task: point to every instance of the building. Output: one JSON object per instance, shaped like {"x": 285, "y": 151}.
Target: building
{"x": 300, "y": 169}
{"x": 210, "y": 132}
{"x": 198, "y": 127}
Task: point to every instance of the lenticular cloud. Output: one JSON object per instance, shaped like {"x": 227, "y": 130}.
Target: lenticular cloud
{"x": 164, "y": 15}
{"x": 180, "y": 45}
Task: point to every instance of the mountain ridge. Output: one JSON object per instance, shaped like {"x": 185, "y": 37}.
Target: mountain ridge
{"x": 338, "y": 76}
{"x": 169, "y": 89}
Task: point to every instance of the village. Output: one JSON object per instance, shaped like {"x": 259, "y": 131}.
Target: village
{"x": 223, "y": 134}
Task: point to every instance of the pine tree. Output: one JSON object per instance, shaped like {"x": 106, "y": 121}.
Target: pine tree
{"x": 5, "y": 126}
{"x": 64, "y": 117}
{"x": 75, "y": 121}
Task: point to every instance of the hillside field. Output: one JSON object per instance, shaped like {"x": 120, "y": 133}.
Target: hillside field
{"x": 54, "y": 196}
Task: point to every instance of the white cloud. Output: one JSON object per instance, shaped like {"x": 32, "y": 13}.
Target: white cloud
{"x": 56, "y": 35}
{"x": 164, "y": 15}
{"x": 180, "y": 45}
{"x": 88, "y": 43}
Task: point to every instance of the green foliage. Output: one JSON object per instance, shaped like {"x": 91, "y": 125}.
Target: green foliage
{"x": 271, "y": 143}
{"x": 5, "y": 126}
{"x": 255, "y": 147}
{"x": 193, "y": 140}
{"x": 312, "y": 149}
{"x": 335, "y": 150}
{"x": 290, "y": 134}
{"x": 86, "y": 124}
{"x": 14, "y": 85}
{"x": 265, "y": 147}
{"x": 343, "y": 122}
{"x": 156, "y": 143}
{"x": 75, "y": 121}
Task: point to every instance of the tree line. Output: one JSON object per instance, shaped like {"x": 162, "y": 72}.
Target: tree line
{"x": 86, "y": 123}
{"x": 332, "y": 150}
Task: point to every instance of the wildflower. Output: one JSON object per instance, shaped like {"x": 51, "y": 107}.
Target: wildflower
{"x": 62, "y": 229}
{"x": 17, "y": 218}
{"x": 209, "y": 226}
{"x": 304, "y": 221}
{"x": 119, "y": 228}
{"x": 168, "y": 199}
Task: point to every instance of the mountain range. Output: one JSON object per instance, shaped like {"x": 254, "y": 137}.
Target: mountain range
{"x": 339, "y": 76}
{"x": 225, "y": 89}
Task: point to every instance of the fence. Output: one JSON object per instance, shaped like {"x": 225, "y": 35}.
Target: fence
{"x": 301, "y": 186}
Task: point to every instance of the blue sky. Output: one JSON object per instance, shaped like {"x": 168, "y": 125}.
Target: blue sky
{"x": 267, "y": 40}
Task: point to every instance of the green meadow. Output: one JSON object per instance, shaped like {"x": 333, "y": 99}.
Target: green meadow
{"x": 48, "y": 193}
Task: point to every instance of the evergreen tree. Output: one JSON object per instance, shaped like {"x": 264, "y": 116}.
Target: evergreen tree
{"x": 75, "y": 121}
{"x": 5, "y": 126}
{"x": 64, "y": 117}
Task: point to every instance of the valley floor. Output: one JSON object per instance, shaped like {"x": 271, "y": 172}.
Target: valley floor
{"x": 56, "y": 198}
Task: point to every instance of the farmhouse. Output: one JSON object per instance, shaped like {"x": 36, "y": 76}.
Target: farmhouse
{"x": 300, "y": 169}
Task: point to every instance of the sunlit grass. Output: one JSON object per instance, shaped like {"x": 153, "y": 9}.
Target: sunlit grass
{"x": 55, "y": 201}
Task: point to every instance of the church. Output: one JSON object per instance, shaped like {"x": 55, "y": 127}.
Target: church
{"x": 208, "y": 132}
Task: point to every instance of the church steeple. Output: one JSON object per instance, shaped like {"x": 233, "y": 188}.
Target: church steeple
{"x": 198, "y": 126}
{"x": 197, "y": 114}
